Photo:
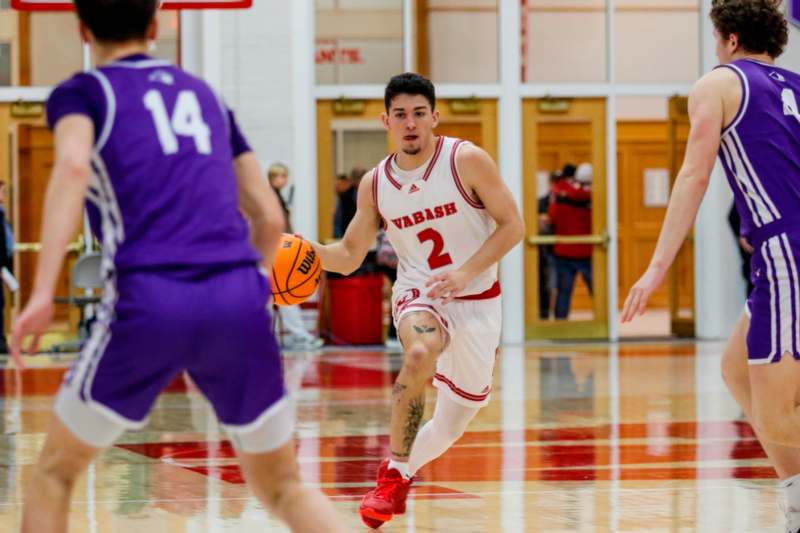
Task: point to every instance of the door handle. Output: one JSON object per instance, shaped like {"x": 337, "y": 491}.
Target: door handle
{"x": 75, "y": 246}
{"x": 601, "y": 239}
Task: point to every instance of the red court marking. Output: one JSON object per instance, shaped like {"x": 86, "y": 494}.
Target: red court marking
{"x": 46, "y": 381}
{"x": 427, "y": 492}
{"x": 657, "y": 350}
{"x": 493, "y": 455}
{"x": 362, "y": 371}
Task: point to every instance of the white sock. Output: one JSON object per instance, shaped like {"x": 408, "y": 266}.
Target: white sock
{"x": 400, "y": 467}
{"x": 790, "y": 487}
{"x": 449, "y": 421}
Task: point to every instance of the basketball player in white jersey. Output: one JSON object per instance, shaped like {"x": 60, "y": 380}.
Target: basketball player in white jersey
{"x": 450, "y": 218}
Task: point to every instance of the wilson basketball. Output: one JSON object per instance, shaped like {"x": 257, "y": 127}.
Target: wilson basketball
{"x": 296, "y": 272}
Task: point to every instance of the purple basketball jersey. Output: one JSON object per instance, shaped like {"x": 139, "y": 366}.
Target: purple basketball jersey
{"x": 163, "y": 193}
{"x": 760, "y": 150}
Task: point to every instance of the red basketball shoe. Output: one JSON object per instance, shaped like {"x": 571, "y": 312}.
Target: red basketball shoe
{"x": 388, "y": 498}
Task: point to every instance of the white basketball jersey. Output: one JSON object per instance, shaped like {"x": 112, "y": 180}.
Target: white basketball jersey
{"x": 432, "y": 222}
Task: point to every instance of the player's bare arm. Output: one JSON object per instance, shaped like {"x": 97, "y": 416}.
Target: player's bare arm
{"x": 258, "y": 202}
{"x": 481, "y": 178}
{"x": 347, "y": 255}
{"x": 706, "y": 115}
{"x": 63, "y": 207}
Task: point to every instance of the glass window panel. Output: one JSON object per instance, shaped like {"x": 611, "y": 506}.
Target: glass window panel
{"x": 565, "y": 271}
{"x": 5, "y": 64}
{"x": 361, "y": 149}
{"x": 645, "y": 38}
{"x": 55, "y": 50}
{"x": 167, "y": 44}
{"x": 564, "y": 41}
{"x": 358, "y": 41}
{"x": 642, "y": 108}
{"x": 462, "y": 41}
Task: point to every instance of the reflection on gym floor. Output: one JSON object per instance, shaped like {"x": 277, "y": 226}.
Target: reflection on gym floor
{"x": 578, "y": 437}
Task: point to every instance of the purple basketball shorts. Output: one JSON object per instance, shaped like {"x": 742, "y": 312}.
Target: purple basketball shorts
{"x": 151, "y": 327}
{"x": 774, "y": 304}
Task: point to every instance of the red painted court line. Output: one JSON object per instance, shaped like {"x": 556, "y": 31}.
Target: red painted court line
{"x": 427, "y": 492}
{"x": 368, "y": 446}
{"x": 484, "y": 456}
{"x": 46, "y": 381}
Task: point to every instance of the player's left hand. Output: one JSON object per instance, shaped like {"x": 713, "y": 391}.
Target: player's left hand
{"x": 447, "y": 286}
{"x": 636, "y": 302}
{"x": 34, "y": 320}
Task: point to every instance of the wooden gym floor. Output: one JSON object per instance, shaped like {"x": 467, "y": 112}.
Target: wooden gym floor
{"x": 578, "y": 437}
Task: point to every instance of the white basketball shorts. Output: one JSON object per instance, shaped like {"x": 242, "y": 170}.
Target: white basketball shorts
{"x": 465, "y": 367}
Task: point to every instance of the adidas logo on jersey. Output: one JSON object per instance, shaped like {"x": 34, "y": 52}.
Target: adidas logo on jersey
{"x": 413, "y": 188}
{"x": 440, "y": 211}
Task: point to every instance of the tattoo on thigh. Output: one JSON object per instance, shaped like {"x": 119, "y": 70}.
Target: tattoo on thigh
{"x": 424, "y": 329}
{"x": 416, "y": 408}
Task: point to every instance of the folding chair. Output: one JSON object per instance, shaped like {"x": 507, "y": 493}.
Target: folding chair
{"x": 86, "y": 276}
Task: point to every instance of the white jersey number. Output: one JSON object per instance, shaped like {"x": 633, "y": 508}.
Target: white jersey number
{"x": 790, "y": 104}
{"x": 436, "y": 259}
{"x": 187, "y": 121}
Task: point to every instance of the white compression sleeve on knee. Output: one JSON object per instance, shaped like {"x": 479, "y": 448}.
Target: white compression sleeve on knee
{"x": 449, "y": 421}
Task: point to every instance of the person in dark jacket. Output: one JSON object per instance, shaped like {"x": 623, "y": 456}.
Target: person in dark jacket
{"x": 745, "y": 249}
{"x": 570, "y": 213}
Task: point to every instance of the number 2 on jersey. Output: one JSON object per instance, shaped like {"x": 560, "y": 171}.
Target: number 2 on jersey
{"x": 790, "y": 104}
{"x": 187, "y": 121}
{"x": 436, "y": 259}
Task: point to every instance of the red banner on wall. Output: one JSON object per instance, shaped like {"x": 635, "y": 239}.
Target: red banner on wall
{"x": 64, "y": 5}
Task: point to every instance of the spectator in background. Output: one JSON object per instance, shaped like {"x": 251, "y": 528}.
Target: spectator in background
{"x": 570, "y": 213}
{"x": 347, "y": 192}
{"x": 292, "y": 319}
{"x": 547, "y": 266}
{"x": 386, "y": 263}
{"x": 583, "y": 175}
{"x": 743, "y": 245}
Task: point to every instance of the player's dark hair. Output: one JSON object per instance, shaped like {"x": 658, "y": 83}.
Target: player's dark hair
{"x": 409, "y": 83}
{"x": 117, "y": 21}
{"x": 760, "y": 24}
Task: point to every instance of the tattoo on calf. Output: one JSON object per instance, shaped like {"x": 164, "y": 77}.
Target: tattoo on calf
{"x": 424, "y": 329}
{"x": 399, "y": 454}
{"x": 416, "y": 408}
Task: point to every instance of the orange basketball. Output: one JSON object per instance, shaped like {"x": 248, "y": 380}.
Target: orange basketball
{"x": 296, "y": 272}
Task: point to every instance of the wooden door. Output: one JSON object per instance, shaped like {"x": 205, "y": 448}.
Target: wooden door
{"x": 35, "y": 164}
{"x": 681, "y": 301}
{"x": 555, "y": 133}
{"x": 642, "y": 152}
{"x": 561, "y": 143}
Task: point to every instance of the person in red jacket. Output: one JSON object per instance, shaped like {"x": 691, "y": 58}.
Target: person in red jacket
{"x": 570, "y": 213}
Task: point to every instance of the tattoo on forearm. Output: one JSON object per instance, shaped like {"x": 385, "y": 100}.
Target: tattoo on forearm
{"x": 423, "y": 329}
{"x": 398, "y": 388}
{"x": 399, "y": 454}
{"x": 416, "y": 408}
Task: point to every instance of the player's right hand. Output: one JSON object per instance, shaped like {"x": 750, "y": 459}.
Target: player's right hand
{"x": 636, "y": 302}
{"x": 34, "y": 320}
